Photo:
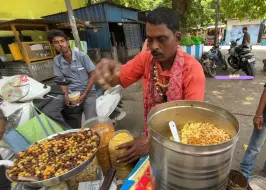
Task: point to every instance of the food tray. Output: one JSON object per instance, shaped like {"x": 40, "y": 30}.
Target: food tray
{"x": 64, "y": 177}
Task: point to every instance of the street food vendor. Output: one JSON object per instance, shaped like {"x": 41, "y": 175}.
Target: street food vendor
{"x": 167, "y": 73}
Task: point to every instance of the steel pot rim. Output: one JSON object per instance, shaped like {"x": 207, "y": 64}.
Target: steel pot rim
{"x": 154, "y": 112}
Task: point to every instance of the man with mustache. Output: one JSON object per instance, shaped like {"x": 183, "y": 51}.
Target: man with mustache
{"x": 76, "y": 66}
{"x": 167, "y": 73}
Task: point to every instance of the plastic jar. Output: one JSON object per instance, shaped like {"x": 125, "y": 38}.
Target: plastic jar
{"x": 106, "y": 132}
{"x": 120, "y": 137}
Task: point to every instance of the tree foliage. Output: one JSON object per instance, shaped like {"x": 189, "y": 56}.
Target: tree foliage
{"x": 192, "y": 13}
{"x": 195, "y": 13}
{"x": 241, "y": 9}
{"x": 137, "y": 4}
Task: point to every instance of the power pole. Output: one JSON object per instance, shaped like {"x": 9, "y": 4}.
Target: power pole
{"x": 217, "y": 21}
{"x": 73, "y": 24}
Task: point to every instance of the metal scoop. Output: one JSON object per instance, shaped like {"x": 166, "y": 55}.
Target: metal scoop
{"x": 174, "y": 131}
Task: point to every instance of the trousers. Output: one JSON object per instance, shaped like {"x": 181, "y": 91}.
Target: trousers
{"x": 55, "y": 107}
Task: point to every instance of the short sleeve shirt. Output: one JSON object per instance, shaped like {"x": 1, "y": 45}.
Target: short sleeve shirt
{"x": 246, "y": 38}
{"x": 78, "y": 71}
{"x": 193, "y": 75}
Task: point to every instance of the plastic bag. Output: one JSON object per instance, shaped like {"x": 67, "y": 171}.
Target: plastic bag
{"x": 33, "y": 131}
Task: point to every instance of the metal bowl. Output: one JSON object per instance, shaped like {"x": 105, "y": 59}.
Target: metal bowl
{"x": 64, "y": 177}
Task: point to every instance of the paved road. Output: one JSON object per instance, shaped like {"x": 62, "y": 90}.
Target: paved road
{"x": 227, "y": 94}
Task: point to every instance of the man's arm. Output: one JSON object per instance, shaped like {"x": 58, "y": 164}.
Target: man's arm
{"x": 258, "y": 118}
{"x": 145, "y": 46}
{"x": 2, "y": 124}
{"x": 133, "y": 70}
{"x": 58, "y": 73}
{"x": 110, "y": 73}
{"x": 194, "y": 82}
{"x": 90, "y": 68}
{"x": 262, "y": 104}
{"x": 248, "y": 39}
{"x": 90, "y": 82}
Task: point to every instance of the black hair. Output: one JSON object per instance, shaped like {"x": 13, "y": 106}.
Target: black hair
{"x": 54, "y": 33}
{"x": 245, "y": 28}
{"x": 163, "y": 15}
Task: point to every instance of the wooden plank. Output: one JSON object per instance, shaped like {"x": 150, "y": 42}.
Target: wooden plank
{"x": 45, "y": 58}
{"x": 39, "y": 42}
{"x": 24, "y": 54}
{"x": 46, "y": 28}
{"x": 21, "y": 24}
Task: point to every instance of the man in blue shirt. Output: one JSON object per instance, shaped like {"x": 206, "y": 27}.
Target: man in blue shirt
{"x": 76, "y": 66}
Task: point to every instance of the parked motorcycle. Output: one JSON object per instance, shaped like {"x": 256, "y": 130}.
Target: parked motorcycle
{"x": 208, "y": 63}
{"x": 241, "y": 58}
{"x": 220, "y": 60}
{"x": 211, "y": 59}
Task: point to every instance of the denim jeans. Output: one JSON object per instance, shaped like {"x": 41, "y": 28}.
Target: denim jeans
{"x": 256, "y": 142}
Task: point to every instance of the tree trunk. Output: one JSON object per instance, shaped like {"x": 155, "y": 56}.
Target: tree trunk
{"x": 181, "y": 7}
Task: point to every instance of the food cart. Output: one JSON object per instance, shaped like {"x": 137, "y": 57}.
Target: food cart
{"x": 25, "y": 55}
{"x": 27, "y": 51}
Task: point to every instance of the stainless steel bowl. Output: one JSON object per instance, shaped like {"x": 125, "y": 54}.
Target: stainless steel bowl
{"x": 64, "y": 177}
{"x": 177, "y": 166}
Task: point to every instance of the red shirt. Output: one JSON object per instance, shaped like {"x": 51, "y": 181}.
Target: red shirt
{"x": 193, "y": 75}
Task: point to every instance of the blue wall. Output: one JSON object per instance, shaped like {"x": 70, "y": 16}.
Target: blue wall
{"x": 232, "y": 34}
{"x": 99, "y": 15}
{"x": 94, "y": 13}
{"x": 115, "y": 14}
{"x": 100, "y": 39}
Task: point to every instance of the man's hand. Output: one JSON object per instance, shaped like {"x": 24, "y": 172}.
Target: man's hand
{"x": 67, "y": 99}
{"x": 2, "y": 128}
{"x": 1, "y": 134}
{"x": 258, "y": 121}
{"x": 136, "y": 149}
{"x": 81, "y": 98}
{"x": 108, "y": 73}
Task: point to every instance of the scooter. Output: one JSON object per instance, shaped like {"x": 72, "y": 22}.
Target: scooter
{"x": 19, "y": 92}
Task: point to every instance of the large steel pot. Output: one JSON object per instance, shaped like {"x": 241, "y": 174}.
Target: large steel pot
{"x": 178, "y": 166}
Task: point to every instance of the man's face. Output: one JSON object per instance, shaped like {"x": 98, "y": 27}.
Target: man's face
{"x": 60, "y": 44}
{"x": 244, "y": 31}
{"x": 162, "y": 41}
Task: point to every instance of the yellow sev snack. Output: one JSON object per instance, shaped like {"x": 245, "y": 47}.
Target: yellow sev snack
{"x": 202, "y": 134}
{"x": 119, "y": 138}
